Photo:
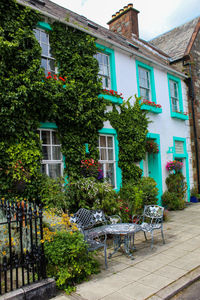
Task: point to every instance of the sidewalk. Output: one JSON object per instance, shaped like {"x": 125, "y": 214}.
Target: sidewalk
{"x": 154, "y": 274}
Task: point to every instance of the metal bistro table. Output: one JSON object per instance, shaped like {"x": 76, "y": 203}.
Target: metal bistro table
{"x": 122, "y": 233}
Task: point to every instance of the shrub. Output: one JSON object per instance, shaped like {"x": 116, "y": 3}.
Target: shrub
{"x": 51, "y": 192}
{"x": 176, "y": 184}
{"x": 92, "y": 194}
{"x": 172, "y": 202}
{"x": 150, "y": 191}
{"x": 68, "y": 260}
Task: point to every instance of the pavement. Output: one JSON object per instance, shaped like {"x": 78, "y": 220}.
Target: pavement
{"x": 154, "y": 274}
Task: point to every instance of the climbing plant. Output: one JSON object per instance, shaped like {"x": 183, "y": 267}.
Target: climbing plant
{"x": 27, "y": 97}
{"x": 131, "y": 124}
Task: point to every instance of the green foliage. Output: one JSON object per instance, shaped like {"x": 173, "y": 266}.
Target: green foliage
{"x": 68, "y": 260}
{"x": 80, "y": 113}
{"x": 131, "y": 124}
{"x": 174, "y": 198}
{"x": 134, "y": 196}
{"x": 27, "y": 97}
{"x": 172, "y": 201}
{"x": 150, "y": 190}
{"x": 51, "y": 192}
{"x": 176, "y": 184}
{"x": 90, "y": 193}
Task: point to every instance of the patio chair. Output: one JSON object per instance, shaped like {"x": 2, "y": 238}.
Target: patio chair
{"x": 150, "y": 220}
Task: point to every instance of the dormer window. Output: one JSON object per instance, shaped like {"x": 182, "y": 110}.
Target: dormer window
{"x": 47, "y": 62}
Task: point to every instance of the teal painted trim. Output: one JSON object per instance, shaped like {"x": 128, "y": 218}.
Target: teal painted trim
{"x": 111, "y": 98}
{"x": 152, "y": 80}
{"x": 175, "y": 114}
{"x": 48, "y": 125}
{"x": 87, "y": 148}
{"x": 113, "y": 132}
{"x": 111, "y": 54}
{"x": 153, "y": 109}
{"x": 184, "y": 155}
{"x": 44, "y": 25}
{"x": 179, "y": 116}
{"x": 156, "y": 137}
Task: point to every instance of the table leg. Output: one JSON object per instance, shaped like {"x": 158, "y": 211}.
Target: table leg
{"x": 117, "y": 241}
{"x": 127, "y": 245}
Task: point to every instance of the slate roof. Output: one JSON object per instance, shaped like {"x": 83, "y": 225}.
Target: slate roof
{"x": 69, "y": 16}
{"x": 177, "y": 42}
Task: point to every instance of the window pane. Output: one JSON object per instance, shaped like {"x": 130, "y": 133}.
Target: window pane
{"x": 44, "y": 37}
{"x": 179, "y": 147}
{"x": 37, "y": 34}
{"x": 55, "y": 140}
{"x": 51, "y": 64}
{"x": 56, "y": 153}
{"x": 103, "y": 155}
{"x": 54, "y": 170}
{"x": 45, "y": 49}
{"x": 102, "y": 141}
{"x": 46, "y": 137}
{"x": 110, "y": 154}
{"x": 43, "y": 169}
{"x": 110, "y": 141}
{"x": 46, "y": 152}
{"x": 110, "y": 173}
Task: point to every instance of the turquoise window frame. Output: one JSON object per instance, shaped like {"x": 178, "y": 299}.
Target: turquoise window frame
{"x": 185, "y": 156}
{"x": 152, "y": 80}
{"x": 156, "y": 137}
{"x": 44, "y": 25}
{"x": 179, "y": 115}
{"x": 110, "y": 131}
{"x": 111, "y": 53}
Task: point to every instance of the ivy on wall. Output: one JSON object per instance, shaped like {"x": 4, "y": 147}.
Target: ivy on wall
{"x": 27, "y": 97}
{"x": 131, "y": 125}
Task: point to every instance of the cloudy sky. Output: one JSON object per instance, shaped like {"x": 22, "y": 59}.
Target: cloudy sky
{"x": 156, "y": 16}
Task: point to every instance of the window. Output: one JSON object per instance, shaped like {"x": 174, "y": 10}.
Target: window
{"x": 107, "y": 158}
{"x": 52, "y": 163}
{"x": 48, "y": 62}
{"x": 174, "y": 95}
{"x": 144, "y": 83}
{"x": 179, "y": 147}
{"x": 104, "y": 69}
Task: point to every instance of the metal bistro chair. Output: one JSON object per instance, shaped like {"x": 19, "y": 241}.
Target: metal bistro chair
{"x": 150, "y": 220}
{"x": 94, "y": 236}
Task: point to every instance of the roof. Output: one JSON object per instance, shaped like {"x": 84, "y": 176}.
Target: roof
{"x": 178, "y": 42}
{"x": 137, "y": 45}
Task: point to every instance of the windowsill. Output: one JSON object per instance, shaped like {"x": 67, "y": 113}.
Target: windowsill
{"x": 111, "y": 98}
{"x": 150, "y": 108}
{"x": 179, "y": 115}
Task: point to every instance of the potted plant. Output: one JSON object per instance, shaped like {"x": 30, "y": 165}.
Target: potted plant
{"x": 194, "y": 196}
{"x": 152, "y": 147}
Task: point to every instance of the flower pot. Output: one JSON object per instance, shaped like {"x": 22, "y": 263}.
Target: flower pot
{"x": 194, "y": 199}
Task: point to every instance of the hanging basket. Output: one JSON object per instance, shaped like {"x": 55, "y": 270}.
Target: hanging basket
{"x": 152, "y": 147}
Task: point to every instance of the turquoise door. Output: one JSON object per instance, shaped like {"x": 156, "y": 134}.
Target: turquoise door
{"x": 153, "y": 167}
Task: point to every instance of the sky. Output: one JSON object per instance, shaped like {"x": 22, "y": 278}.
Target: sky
{"x": 155, "y": 17}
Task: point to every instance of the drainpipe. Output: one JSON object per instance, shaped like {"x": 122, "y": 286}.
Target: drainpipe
{"x": 192, "y": 95}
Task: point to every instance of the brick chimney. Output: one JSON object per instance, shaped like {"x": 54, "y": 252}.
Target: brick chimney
{"x": 125, "y": 21}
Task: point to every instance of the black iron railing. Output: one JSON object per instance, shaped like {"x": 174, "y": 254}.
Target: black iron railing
{"x": 22, "y": 259}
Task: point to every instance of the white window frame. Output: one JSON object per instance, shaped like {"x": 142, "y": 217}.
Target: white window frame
{"x": 107, "y": 161}
{"x": 143, "y": 87}
{"x": 104, "y": 66}
{"x": 48, "y": 57}
{"x": 47, "y": 162}
{"x": 174, "y": 95}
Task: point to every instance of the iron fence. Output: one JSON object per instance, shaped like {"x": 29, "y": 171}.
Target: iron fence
{"x": 22, "y": 259}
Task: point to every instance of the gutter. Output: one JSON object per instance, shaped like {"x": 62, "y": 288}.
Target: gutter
{"x": 132, "y": 52}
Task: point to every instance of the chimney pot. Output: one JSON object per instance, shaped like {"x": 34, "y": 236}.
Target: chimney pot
{"x": 125, "y": 22}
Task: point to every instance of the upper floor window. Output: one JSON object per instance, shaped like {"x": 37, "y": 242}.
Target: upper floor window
{"x": 107, "y": 158}
{"x": 52, "y": 162}
{"x": 104, "y": 69}
{"x": 48, "y": 62}
{"x": 144, "y": 83}
{"x": 174, "y": 95}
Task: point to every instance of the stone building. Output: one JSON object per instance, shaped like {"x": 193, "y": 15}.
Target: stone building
{"x": 182, "y": 44}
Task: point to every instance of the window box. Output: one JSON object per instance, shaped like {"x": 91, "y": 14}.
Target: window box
{"x": 111, "y": 98}
{"x": 150, "y": 108}
{"x": 179, "y": 115}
